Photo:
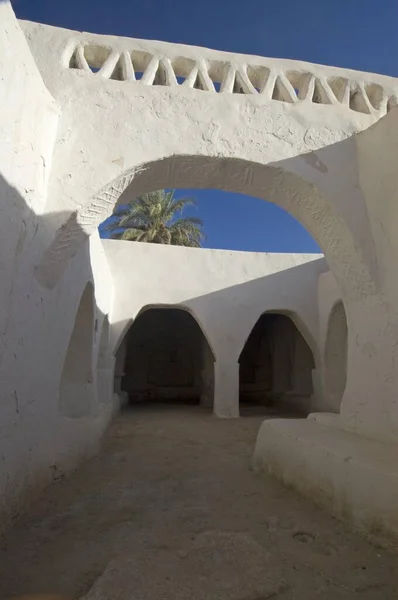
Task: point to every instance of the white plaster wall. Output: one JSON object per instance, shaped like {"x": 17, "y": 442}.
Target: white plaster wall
{"x": 27, "y": 133}
{"x": 36, "y": 444}
{"x": 373, "y": 324}
{"x": 226, "y": 292}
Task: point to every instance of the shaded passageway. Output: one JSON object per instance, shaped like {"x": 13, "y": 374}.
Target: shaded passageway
{"x": 171, "y": 500}
{"x": 167, "y": 359}
{"x": 275, "y": 366}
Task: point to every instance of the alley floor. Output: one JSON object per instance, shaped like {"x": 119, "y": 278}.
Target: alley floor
{"x": 171, "y": 510}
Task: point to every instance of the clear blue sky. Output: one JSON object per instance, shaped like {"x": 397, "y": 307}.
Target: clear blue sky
{"x": 348, "y": 33}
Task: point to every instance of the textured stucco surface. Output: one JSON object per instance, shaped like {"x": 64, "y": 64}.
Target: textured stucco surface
{"x": 36, "y": 444}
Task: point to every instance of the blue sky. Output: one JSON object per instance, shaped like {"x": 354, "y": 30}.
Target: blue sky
{"x": 348, "y": 33}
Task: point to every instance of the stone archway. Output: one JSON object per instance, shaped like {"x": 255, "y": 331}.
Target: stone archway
{"x": 276, "y": 365}
{"x": 167, "y": 358}
{"x": 300, "y": 198}
{"x": 76, "y": 385}
{"x": 335, "y": 357}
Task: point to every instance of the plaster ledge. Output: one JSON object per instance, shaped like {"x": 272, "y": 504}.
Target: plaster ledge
{"x": 352, "y": 477}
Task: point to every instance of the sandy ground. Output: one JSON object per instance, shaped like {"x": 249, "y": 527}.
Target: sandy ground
{"x": 171, "y": 509}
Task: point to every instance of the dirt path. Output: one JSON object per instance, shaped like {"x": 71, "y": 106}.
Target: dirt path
{"x": 173, "y": 485}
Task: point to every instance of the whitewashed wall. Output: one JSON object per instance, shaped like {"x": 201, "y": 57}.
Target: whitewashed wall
{"x": 36, "y": 444}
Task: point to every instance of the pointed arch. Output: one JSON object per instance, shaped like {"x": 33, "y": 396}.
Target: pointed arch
{"x": 167, "y": 357}
{"x": 127, "y": 325}
{"x": 276, "y": 364}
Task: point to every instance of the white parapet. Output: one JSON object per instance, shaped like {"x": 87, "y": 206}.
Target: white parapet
{"x": 154, "y": 63}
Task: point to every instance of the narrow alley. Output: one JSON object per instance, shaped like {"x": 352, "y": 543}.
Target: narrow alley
{"x": 170, "y": 508}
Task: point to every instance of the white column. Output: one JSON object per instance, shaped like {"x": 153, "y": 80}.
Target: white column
{"x": 226, "y": 388}
{"x": 206, "y": 376}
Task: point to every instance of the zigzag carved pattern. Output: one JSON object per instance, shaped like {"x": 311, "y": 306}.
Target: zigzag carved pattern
{"x": 223, "y": 77}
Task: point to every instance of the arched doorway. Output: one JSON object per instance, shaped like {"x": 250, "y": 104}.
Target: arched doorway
{"x": 168, "y": 359}
{"x": 275, "y": 366}
{"x": 335, "y": 358}
{"x": 76, "y": 387}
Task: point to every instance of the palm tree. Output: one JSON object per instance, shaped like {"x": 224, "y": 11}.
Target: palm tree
{"x": 153, "y": 218}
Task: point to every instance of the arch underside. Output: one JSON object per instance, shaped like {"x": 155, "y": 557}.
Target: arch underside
{"x": 298, "y": 197}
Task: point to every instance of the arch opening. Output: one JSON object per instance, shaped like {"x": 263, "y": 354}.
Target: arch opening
{"x": 280, "y": 186}
{"x": 335, "y": 360}
{"x": 275, "y": 367}
{"x": 76, "y": 386}
{"x": 167, "y": 359}
{"x": 253, "y": 225}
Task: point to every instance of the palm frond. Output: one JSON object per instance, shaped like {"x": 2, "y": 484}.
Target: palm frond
{"x": 153, "y": 218}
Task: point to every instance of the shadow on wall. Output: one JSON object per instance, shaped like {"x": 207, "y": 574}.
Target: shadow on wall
{"x": 264, "y": 294}
{"x": 76, "y": 386}
{"x": 36, "y": 369}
